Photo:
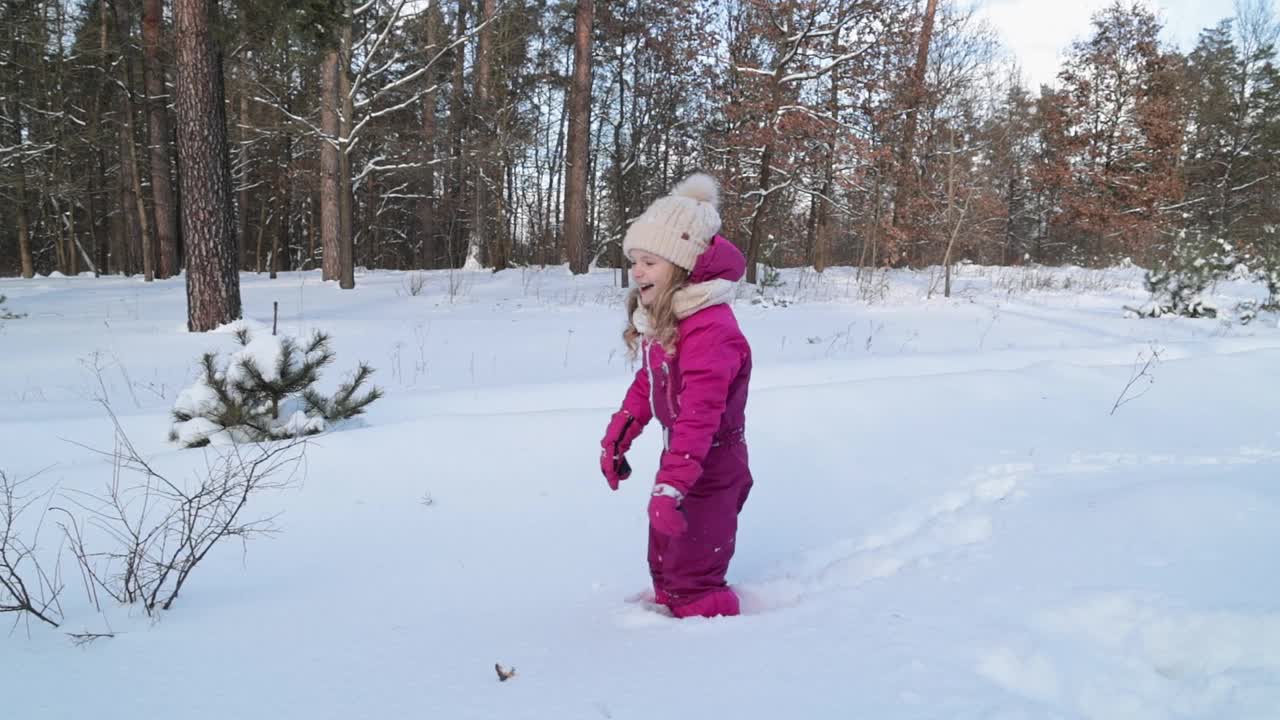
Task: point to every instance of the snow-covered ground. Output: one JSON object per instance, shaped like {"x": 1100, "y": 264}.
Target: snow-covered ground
{"x": 949, "y": 520}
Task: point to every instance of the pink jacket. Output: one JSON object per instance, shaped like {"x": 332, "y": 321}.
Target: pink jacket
{"x": 699, "y": 394}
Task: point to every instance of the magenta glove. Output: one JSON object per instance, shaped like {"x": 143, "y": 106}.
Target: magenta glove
{"x": 623, "y": 428}
{"x": 664, "y": 511}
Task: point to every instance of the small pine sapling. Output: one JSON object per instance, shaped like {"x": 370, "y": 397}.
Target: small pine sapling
{"x": 1177, "y": 285}
{"x": 265, "y": 391}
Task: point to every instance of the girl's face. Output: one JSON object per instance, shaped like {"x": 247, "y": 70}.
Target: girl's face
{"x": 652, "y": 274}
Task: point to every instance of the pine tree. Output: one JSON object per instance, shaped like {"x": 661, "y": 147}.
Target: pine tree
{"x": 266, "y": 391}
{"x": 576, "y": 160}
{"x": 1177, "y": 284}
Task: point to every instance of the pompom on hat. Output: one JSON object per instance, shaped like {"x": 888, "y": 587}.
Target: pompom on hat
{"x": 680, "y": 226}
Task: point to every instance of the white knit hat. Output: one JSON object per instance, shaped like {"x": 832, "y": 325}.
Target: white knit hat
{"x": 680, "y": 226}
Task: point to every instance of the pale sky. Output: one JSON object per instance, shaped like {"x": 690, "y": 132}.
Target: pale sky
{"x": 1038, "y": 32}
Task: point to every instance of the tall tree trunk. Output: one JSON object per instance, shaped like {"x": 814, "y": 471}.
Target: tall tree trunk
{"x": 73, "y": 262}
{"x": 99, "y": 207}
{"x": 619, "y": 172}
{"x": 97, "y": 246}
{"x": 822, "y": 234}
{"x": 135, "y": 206}
{"x": 284, "y": 193}
{"x": 427, "y": 252}
{"x": 823, "y": 229}
{"x": 13, "y": 110}
{"x": 213, "y": 282}
{"x": 456, "y": 232}
{"x": 576, "y": 159}
{"x": 314, "y": 222}
{"x": 811, "y": 229}
{"x": 481, "y": 242}
{"x": 262, "y": 228}
{"x": 1009, "y": 221}
{"x": 158, "y": 133}
{"x": 757, "y": 217}
{"x": 129, "y": 237}
{"x": 906, "y": 171}
{"x": 554, "y": 205}
{"x": 346, "y": 235}
{"x": 24, "y": 231}
{"x": 330, "y": 167}
{"x": 61, "y": 244}
{"x": 242, "y": 179}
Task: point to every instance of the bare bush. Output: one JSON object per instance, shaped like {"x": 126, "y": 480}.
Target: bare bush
{"x": 25, "y": 587}
{"x": 161, "y": 529}
{"x": 1026, "y": 279}
{"x": 873, "y": 285}
{"x": 414, "y": 283}
{"x": 1140, "y": 379}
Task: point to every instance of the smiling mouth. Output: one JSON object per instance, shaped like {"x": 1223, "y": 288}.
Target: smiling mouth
{"x": 646, "y": 286}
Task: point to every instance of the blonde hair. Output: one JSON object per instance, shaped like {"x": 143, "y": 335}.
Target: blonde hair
{"x": 662, "y": 316}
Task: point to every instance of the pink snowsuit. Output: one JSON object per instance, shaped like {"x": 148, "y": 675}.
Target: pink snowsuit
{"x": 699, "y": 396}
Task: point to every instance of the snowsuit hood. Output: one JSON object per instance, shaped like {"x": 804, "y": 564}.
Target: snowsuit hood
{"x": 722, "y": 260}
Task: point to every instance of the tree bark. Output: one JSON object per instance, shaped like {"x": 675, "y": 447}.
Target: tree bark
{"x": 284, "y": 193}
{"x": 346, "y": 236}
{"x": 621, "y": 166}
{"x": 576, "y": 160}
{"x": 906, "y": 173}
{"x": 481, "y": 243}
{"x": 757, "y": 218}
{"x": 98, "y": 204}
{"x": 158, "y": 132}
{"x": 24, "y": 231}
{"x": 208, "y": 223}
{"x": 330, "y": 167}
{"x": 14, "y": 111}
{"x": 456, "y": 231}
{"x": 824, "y": 209}
{"x": 135, "y": 207}
{"x": 243, "y": 129}
{"x": 427, "y": 252}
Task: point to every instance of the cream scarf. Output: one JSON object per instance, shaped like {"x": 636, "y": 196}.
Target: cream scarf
{"x": 687, "y": 301}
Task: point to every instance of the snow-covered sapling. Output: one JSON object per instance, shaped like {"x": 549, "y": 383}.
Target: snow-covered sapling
{"x": 266, "y": 391}
{"x": 1178, "y": 283}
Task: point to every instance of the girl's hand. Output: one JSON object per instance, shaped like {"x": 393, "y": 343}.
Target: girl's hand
{"x": 615, "y": 468}
{"x": 623, "y": 428}
{"x": 664, "y": 511}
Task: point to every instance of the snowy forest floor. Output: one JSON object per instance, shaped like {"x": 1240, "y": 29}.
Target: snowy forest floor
{"x": 951, "y": 518}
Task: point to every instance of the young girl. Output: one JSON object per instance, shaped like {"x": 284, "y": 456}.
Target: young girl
{"x": 696, "y": 367}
